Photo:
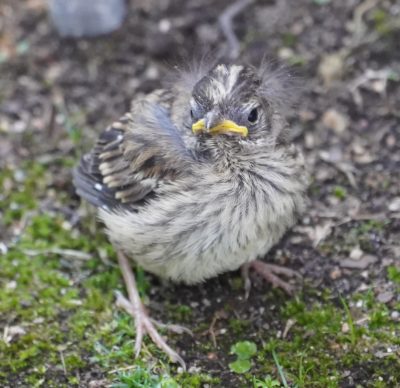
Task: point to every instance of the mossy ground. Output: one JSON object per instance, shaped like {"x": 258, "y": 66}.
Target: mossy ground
{"x": 59, "y": 326}
{"x": 59, "y": 320}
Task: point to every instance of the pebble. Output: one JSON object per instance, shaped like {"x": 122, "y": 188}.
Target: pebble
{"x": 206, "y": 302}
{"x": 12, "y": 331}
{"x": 152, "y": 73}
{"x": 385, "y": 297}
{"x": 356, "y": 253}
{"x": 307, "y": 115}
{"x": 3, "y": 248}
{"x": 335, "y": 120}
{"x": 25, "y": 303}
{"x": 19, "y": 175}
{"x": 394, "y": 205}
{"x": 285, "y": 53}
{"x": 388, "y": 261}
{"x": 12, "y": 285}
{"x": 360, "y": 303}
{"x": 362, "y": 263}
{"x": 335, "y": 273}
{"x": 164, "y": 25}
{"x": 331, "y": 68}
{"x": 395, "y": 315}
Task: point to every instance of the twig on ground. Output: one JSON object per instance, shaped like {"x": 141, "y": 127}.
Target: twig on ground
{"x": 70, "y": 253}
{"x": 225, "y": 21}
{"x": 289, "y": 324}
{"x": 220, "y": 314}
{"x": 359, "y": 25}
{"x": 345, "y": 168}
{"x": 63, "y": 362}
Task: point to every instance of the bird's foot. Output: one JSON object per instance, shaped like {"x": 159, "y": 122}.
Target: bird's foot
{"x": 143, "y": 323}
{"x": 270, "y": 272}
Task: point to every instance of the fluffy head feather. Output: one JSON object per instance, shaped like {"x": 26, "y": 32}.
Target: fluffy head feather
{"x": 257, "y": 98}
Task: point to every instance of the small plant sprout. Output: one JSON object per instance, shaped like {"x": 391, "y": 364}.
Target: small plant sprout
{"x": 244, "y": 351}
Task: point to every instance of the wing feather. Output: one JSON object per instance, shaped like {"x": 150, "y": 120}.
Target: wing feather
{"x": 131, "y": 158}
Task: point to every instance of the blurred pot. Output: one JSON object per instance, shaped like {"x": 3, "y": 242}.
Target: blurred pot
{"x": 86, "y": 18}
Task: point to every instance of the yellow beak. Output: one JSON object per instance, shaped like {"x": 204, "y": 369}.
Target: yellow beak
{"x": 224, "y": 126}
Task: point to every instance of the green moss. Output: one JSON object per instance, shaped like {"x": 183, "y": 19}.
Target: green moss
{"x": 179, "y": 313}
{"x": 237, "y": 283}
{"x": 371, "y": 226}
{"x": 267, "y": 382}
{"x": 340, "y": 192}
{"x": 362, "y": 233}
{"x": 197, "y": 380}
{"x": 384, "y": 23}
{"x": 53, "y": 313}
{"x": 64, "y": 319}
{"x": 394, "y": 274}
{"x": 289, "y": 39}
{"x": 318, "y": 348}
{"x": 237, "y": 326}
{"x": 73, "y": 361}
{"x": 140, "y": 377}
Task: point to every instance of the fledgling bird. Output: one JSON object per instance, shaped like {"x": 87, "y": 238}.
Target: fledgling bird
{"x": 197, "y": 180}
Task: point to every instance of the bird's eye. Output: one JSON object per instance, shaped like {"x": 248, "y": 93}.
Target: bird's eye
{"x": 191, "y": 113}
{"x": 253, "y": 115}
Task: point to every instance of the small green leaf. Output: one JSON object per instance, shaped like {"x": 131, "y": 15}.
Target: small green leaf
{"x": 244, "y": 350}
{"x": 268, "y": 382}
{"x": 240, "y": 366}
{"x": 169, "y": 382}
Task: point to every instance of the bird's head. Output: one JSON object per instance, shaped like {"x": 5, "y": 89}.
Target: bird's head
{"x": 237, "y": 102}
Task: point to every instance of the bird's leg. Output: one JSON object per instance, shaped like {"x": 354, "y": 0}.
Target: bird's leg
{"x": 270, "y": 272}
{"x": 128, "y": 307}
{"x": 143, "y": 323}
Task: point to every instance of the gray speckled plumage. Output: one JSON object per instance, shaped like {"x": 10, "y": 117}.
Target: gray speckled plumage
{"x": 188, "y": 207}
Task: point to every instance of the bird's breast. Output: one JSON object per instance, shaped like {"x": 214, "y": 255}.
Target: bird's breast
{"x": 209, "y": 227}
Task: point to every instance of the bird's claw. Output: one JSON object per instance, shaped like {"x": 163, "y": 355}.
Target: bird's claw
{"x": 270, "y": 273}
{"x": 146, "y": 325}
